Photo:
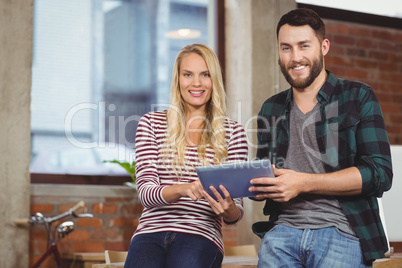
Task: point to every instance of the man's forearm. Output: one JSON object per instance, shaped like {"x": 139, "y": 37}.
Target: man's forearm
{"x": 344, "y": 182}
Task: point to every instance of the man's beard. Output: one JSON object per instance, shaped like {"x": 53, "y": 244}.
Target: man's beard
{"x": 316, "y": 68}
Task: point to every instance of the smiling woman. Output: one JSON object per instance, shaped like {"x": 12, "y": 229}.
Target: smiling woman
{"x": 181, "y": 225}
{"x": 195, "y": 82}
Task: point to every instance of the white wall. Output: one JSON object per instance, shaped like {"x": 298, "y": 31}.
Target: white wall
{"x": 392, "y": 199}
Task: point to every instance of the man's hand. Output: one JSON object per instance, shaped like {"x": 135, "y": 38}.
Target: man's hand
{"x": 286, "y": 185}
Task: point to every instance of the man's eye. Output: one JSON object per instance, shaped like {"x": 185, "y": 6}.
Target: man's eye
{"x": 285, "y": 49}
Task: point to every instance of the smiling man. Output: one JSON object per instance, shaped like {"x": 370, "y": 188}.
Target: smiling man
{"x": 327, "y": 139}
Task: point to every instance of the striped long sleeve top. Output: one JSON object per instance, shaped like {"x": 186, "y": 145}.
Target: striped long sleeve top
{"x": 154, "y": 172}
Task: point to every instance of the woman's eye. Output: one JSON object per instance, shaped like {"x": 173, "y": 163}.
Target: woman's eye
{"x": 187, "y": 75}
{"x": 206, "y": 75}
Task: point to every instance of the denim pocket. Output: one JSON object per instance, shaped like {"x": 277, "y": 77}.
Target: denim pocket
{"x": 346, "y": 235}
{"x": 273, "y": 228}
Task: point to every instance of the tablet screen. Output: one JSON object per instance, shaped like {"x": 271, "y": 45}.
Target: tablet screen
{"x": 234, "y": 177}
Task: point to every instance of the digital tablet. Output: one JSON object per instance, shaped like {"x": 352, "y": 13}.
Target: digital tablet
{"x": 234, "y": 177}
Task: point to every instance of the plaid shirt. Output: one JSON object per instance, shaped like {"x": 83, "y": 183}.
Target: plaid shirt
{"x": 351, "y": 133}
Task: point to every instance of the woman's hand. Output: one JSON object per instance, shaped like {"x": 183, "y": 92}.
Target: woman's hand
{"x": 193, "y": 190}
{"x": 224, "y": 207}
{"x": 174, "y": 192}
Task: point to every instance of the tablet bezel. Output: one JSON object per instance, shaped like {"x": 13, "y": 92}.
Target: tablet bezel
{"x": 235, "y": 177}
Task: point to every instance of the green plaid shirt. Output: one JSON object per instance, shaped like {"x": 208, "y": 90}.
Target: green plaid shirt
{"x": 351, "y": 133}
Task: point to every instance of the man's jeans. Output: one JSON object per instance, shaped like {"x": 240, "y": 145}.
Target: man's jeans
{"x": 284, "y": 246}
{"x": 172, "y": 250}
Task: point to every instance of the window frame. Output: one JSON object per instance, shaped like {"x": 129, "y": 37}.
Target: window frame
{"x": 353, "y": 16}
{"x": 50, "y": 178}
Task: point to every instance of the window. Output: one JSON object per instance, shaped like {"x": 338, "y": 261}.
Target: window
{"x": 98, "y": 66}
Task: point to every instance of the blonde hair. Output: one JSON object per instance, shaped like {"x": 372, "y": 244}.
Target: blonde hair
{"x": 214, "y": 132}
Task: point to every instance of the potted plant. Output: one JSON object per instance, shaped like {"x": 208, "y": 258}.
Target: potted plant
{"x": 130, "y": 168}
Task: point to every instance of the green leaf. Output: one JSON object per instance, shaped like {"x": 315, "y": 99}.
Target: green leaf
{"x": 129, "y": 167}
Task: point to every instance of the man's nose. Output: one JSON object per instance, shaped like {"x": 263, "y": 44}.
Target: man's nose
{"x": 296, "y": 55}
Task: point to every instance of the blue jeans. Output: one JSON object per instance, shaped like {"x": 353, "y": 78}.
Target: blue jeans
{"x": 172, "y": 250}
{"x": 284, "y": 246}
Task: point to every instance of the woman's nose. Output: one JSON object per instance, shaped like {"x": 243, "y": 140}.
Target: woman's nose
{"x": 196, "y": 80}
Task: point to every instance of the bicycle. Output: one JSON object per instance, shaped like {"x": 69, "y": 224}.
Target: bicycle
{"x": 62, "y": 230}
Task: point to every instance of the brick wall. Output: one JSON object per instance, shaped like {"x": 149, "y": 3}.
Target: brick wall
{"x": 116, "y": 211}
{"x": 115, "y": 208}
{"x": 372, "y": 55}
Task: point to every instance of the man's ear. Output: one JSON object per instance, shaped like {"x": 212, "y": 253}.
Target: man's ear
{"x": 325, "y": 47}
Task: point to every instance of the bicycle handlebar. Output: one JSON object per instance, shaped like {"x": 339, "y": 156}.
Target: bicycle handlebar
{"x": 21, "y": 221}
{"x": 70, "y": 212}
{"x": 79, "y": 205}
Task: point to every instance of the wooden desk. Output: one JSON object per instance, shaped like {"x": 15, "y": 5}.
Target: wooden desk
{"x": 395, "y": 261}
{"x": 240, "y": 262}
{"x": 110, "y": 265}
{"x": 251, "y": 262}
{"x": 82, "y": 259}
{"x": 228, "y": 262}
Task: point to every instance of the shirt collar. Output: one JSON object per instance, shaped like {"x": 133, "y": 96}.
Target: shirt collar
{"x": 328, "y": 88}
{"x": 289, "y": 98}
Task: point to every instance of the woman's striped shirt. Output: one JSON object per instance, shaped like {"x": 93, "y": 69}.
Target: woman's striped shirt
{"x": 153, "y": 173}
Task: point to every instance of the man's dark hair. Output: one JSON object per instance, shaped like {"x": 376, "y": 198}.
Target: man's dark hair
{"x": 303, "y": 16}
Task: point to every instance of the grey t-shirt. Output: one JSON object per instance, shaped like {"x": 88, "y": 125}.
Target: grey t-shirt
{"x": 309, "y": 211}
